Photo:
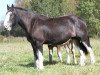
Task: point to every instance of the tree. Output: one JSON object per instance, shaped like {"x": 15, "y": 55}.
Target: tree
{"x": 87, "y": 10}
{"x": 2, "y": 29}
{"x": 1, "y": 26}
{"x": 23, "y": 3}
{"x": 54, "y": 8}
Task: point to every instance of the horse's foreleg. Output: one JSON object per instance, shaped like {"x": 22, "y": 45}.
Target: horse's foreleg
{"x": 38, "y": 55}
{"x": 81, "y": 51}
{"x": 59, "y": 53}
{"x": 50, "y": 53}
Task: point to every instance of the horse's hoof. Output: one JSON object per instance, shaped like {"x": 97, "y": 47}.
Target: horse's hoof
{"x": 93, "y": 61}
{"x": 75, "y": 63}
{"x": 39, "y": 68}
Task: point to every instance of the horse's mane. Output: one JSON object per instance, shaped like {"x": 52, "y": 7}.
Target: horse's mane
{"x": 20, "y": 8}
{"x": 26, "y": 10}
{"x": 30, "y": 11}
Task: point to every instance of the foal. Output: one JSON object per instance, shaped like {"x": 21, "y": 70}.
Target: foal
{"x": 68, "y": 46}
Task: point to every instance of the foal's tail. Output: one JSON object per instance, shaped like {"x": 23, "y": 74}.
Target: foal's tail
{"x": 79, "y": 44}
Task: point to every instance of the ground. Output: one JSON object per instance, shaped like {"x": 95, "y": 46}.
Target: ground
{"x": 16, "y": 58}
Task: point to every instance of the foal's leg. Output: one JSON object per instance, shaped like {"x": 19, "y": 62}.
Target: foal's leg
{"x": 50, "y": 52}
{"x": 59, "y": 53}
{"x": 74, "y": 58}
{"x": 38, "y": 55}
{"x": 73, "y": 52}
{"x": 68, "y": 54}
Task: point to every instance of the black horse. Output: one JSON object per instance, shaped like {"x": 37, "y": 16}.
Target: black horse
{"x": 52, "y": 31}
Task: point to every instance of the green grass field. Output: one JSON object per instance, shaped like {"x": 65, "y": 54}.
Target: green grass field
{"x": 16, "y": 58}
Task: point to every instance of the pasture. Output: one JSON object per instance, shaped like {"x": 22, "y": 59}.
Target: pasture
{"x": 16, "y": 58}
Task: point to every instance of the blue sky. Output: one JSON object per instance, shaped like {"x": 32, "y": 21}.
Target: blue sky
{"x": 3, "y": 7}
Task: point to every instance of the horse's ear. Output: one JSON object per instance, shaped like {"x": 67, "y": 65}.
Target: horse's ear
{"x": 12, "y": 5}
{"x": 8, "y": 7}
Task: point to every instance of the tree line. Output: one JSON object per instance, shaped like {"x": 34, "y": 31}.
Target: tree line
{"x": 89, "y": 10}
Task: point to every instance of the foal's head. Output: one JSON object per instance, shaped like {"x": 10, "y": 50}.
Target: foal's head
{"x": 11, "y": 18}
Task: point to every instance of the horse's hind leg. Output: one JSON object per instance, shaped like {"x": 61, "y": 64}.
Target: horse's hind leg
{"x": 82, "y": 58}
{"x": 85, "y": 44}
{"x": 92, "y": 58}
{"x": 59, "y": 53}
{"x": 81, "y": 51}
{"x": 50, "y": 53}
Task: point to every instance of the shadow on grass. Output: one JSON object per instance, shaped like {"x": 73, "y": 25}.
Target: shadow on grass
{"x": 70, "y": 64}
{"x": 32, "y": 64}
{"x": 27, "y": 65}
{"x": 50, "y": 63}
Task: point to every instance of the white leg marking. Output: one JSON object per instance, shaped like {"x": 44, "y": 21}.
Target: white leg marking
{"x": 60, "y": 56}
{"x": 92, "y": 58}
{"x": 82, "y": 58}
{"x": 68, "y": 56}
{"x": 39, "y": 61}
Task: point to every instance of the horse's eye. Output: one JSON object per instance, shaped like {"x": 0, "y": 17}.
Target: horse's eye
{"x": 12, "y": 16}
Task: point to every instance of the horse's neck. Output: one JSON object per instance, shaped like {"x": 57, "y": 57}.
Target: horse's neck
{"x": 25, "y": 19}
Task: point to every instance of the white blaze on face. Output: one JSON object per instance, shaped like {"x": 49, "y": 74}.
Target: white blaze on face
{"x": 7, "y": 23}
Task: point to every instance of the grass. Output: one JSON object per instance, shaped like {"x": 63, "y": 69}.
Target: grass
{"x": 16, "y": 58}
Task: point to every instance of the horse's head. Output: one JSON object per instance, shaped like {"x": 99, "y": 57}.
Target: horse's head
{"x": 11, "y": 18}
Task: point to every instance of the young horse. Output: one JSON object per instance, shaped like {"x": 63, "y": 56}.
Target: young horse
{"x": 51, "y": 31}
{"x": 68, "y": 46}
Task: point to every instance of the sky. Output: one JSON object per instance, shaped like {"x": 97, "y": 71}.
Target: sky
{"x": 3, "y": 7}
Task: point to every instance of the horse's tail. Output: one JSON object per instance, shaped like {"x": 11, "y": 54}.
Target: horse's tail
{"x": 82, "y": 47}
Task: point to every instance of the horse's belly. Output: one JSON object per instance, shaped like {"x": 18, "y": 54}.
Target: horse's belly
{"x": 57, "y": 40}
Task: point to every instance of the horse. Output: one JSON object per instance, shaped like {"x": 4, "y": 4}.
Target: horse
{"x": 51, "y": 31}
{"x": 68, "y": 46}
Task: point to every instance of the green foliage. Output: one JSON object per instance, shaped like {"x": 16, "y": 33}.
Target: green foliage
{"x": 23, "y": 3}
{"x": 87, "y": 10}
{"x": 17, "y": 31}
{"x": 53, "y": 8}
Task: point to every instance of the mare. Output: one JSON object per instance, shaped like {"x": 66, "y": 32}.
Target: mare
{"x": 51, "y": 31}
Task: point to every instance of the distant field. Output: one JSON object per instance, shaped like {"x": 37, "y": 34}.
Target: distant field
{"x": 16, "y": 58}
